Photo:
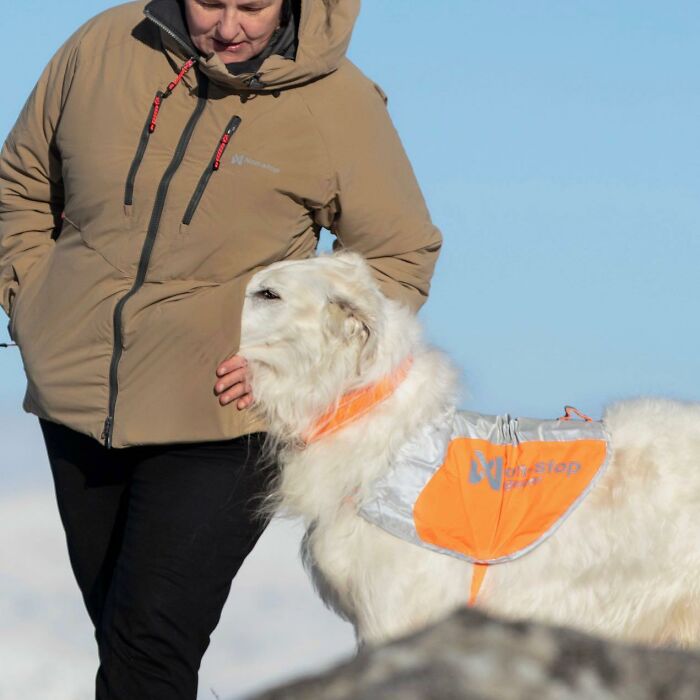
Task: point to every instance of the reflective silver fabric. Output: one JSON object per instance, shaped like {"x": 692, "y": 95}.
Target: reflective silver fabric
{"x": 393, "y": 496}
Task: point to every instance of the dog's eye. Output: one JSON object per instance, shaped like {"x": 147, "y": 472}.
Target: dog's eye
{"x": 267, "y": 294}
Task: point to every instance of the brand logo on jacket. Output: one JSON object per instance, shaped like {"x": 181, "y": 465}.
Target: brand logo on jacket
{"x": 240, "y": 159}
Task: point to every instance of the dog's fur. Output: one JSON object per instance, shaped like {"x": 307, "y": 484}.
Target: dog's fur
{"x": 626, "y": 563}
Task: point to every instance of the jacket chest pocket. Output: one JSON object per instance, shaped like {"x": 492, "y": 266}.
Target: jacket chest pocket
{"x": 210, "y": 171}
{"x": 239, "y": 212}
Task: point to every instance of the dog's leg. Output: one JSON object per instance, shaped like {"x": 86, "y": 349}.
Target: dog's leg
{"x": 384, "y": 585}
{"x": 682, "y": 625}
{"x": 335, "y": 597}
{"x": 401, "y": 587}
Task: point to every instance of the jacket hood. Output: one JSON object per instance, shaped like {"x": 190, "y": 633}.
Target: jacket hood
{"x": 323, "y": 35}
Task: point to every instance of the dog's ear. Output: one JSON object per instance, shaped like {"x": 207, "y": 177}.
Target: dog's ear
{"x": 346, "y": 320}
{"x": 353, "y": 324}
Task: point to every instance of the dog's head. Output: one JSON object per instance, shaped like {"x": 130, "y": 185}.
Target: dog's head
{"x": 311, "y": 330}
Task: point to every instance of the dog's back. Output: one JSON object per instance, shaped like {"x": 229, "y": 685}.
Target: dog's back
{"x": 626, "y": 564}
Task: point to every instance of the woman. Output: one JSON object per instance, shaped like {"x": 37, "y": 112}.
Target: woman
{"x": 166, "y": 154}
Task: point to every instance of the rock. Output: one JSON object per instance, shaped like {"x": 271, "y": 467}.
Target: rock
{"x": 470, "y": 656}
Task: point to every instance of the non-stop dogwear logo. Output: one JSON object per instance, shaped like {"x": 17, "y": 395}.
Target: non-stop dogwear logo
{"x": 519, "y": 476}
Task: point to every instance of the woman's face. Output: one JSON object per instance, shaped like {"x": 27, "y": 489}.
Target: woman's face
{"x": 235, "y": 29}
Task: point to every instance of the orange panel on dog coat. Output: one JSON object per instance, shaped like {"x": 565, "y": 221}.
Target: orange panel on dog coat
{"x": 491, "y": 501}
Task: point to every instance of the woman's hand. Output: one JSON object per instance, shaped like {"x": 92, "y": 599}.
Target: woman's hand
{"x": 233, "y": 382}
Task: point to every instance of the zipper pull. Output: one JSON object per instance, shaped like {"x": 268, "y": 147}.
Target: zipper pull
{"x": 160, "y": 96}
{"x": 230, "y": 130}
{"x": 154, "y": 115}
{"x": 107, "y": 432}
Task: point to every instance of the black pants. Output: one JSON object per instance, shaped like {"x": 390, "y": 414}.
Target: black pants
{"x": 155, "y": 536}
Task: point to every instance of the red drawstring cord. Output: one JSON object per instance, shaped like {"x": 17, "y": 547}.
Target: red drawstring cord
{"x": 171, "y": 86}
{"x": 190, "y": 62}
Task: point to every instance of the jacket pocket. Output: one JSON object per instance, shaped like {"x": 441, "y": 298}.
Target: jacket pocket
{"x": 69, "y": 221}
{"x": 26, "y": 280}
{"x": 211, "y": 168}
{"x": 146, "y": 132}
{"x": 10, "y": 324}
{"x": 14, "y": 298}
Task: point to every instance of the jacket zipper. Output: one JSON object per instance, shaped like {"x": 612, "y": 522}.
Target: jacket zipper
{"x": 146, "y": 251}
{"x": 141, "y": 149}
{"x": 183, "y": 43}
{"x": 213, "y": 166}
{"x": 149, "y": 127}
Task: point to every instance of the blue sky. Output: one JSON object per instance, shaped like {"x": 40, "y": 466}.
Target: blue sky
{"x": 557, "y": 145}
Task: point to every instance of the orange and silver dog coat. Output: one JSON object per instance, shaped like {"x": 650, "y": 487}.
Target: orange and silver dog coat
{"x": 487, "y": 489}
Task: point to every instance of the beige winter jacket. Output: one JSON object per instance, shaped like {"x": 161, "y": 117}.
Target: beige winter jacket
{"x": 125, "y": 249}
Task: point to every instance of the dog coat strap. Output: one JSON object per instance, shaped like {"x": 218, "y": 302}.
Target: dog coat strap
{"x": 478, "y": 573}
{"x": 355, "y": 404}
{"x": 569, "y": 410}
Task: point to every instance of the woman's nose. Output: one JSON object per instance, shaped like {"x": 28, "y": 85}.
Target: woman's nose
{"x": 229, "y": 27}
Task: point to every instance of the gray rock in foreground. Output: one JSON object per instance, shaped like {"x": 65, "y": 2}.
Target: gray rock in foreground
{"x": 470, "y": 656}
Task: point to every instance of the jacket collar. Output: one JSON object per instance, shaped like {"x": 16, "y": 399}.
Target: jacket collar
{"x": 169, "y": 16}
{"x": 312, "y": 49}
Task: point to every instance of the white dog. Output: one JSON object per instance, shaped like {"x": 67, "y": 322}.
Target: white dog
{"x": 625, "y": 564}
